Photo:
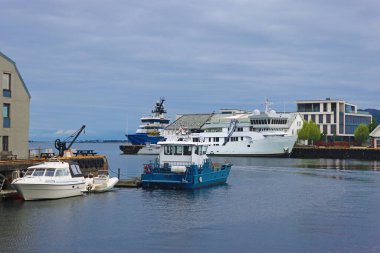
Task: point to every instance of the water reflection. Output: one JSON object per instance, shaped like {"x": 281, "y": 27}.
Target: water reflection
{"x": 340, "y": 164}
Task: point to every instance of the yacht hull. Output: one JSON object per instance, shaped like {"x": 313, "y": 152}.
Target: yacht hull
{"x": 269, "y": 146}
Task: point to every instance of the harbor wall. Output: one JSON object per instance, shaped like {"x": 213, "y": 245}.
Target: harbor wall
{"x": 336, "y": 153}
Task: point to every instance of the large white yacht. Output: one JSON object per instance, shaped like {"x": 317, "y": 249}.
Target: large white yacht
{"x": 51, "y": 180}
{"x": 241, "y": 133}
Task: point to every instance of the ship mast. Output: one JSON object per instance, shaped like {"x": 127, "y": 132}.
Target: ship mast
{"x": 159, "y": 108}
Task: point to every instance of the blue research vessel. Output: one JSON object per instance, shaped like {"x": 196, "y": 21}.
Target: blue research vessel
{"x": 151, "y": 126}
{"x": 183, "y": 165}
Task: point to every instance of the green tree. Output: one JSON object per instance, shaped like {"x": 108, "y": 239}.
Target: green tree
{"x": 315, "y": 132}
{"x": 309, "y": 131}
{"x": 373, "y": 124}
{"x": 361, "y": 133}
{"x": 303, "y": 134}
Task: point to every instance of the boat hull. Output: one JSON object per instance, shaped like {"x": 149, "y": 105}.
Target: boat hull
{"x": 176, "y": 180}
{"x": 142, "y": 139}
{"x": 49, "y": 191}
{"x": 100, "y": 185}
{"x": 269, "y": 146}
{"x": 130, "y": 149}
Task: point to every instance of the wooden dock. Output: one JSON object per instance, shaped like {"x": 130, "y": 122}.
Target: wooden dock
{"x": 134, "y": 182}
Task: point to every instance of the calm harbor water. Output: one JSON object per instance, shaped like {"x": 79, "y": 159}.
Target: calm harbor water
{"x": 268, "y": 205}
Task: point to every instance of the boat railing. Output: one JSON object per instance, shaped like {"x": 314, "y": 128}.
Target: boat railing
{"x": 176, "y": 163}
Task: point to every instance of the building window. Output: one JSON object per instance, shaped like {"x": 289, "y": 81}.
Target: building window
{"x": 313, "y": 107}
{"x": 325, "y": 107}
{"x": 321, "y": 118}
{"x": 328, "y": 118}
{"x": 349, "y": 109}
{"x": 6, "y": 85}
{"x": 316, "y": 119}
{"x": 6, "y": 116}
{"x": 5, "y": 143}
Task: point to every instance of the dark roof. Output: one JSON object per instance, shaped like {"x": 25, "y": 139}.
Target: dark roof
{"x": 18, "y": 73}
{"x": 190, "y": 121}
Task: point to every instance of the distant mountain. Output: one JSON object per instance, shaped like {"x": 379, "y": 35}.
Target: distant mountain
{"x": 375, "y": 113}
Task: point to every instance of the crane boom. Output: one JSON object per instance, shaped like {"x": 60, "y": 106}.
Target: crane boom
{"x": 61, "y": 145}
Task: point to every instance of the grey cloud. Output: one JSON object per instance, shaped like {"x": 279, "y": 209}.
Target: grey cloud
{"x": 106, "y": 61}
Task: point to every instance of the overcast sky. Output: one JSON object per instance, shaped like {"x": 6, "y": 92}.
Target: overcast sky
{"x": 105, "y": 63}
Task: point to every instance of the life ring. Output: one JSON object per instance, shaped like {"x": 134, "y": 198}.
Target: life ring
{"x": 147, "y": 168}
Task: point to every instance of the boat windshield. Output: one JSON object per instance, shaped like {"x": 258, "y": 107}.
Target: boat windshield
{"x": 177, "y": 150}
{"x": 38, "y": 172}
{"x": 49, "y": 172}
{"x": 29, "y": 172}
{"x": 204, "y": 150}
{"x": 186, "y": 150}
{"x": 61, "y": 172}
{"x": 200, "y": 150}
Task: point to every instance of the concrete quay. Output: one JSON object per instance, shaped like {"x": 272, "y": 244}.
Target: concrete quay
{"x": 311, "y": 152}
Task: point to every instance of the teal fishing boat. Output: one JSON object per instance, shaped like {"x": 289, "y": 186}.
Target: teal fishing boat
{"x": 183, "y": 165}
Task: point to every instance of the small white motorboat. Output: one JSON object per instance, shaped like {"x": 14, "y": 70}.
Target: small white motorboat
{"x": 101, "y": 183}
{"x": 53, "y": 179}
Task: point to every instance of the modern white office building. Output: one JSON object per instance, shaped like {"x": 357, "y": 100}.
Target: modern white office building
{"x": 15, "y": 101}
{"x": 334, "y": 116}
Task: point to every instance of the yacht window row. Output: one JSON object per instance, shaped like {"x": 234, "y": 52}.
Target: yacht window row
{"x": 217, "y": 139}
{"x": 269, "y": 121}
{"x": 163, "y": 121}
{"x": 252, "y": 129}
{"x": 150, "y": 127}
